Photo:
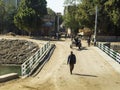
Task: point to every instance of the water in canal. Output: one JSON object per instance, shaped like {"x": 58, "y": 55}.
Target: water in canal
{"x": 10, "y": 69}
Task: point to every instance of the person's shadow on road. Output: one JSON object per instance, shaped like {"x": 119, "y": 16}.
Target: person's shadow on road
{"x": 84, "y": 75}
{"x": 82, "y": 48}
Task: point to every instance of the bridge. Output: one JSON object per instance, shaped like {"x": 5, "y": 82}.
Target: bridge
{"x": 94, "y": 70}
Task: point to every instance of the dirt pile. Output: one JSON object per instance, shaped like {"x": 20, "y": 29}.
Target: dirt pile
{"x": 16, "y": 51}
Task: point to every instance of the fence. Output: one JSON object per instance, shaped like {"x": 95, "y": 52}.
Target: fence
{"x": 110, "y": 52}
{"x": 29, "y": 65}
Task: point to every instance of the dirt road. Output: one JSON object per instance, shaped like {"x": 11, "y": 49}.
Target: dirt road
{"x": 91, "y": 72}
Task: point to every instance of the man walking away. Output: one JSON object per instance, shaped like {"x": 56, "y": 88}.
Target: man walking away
{"x": 71, "y": 61}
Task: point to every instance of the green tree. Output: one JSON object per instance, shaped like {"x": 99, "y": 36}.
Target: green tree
{"x": 71, "y": 2}
{"x": 6, "y": 17}
{"x": 70, "y": 18}
{"x": 2, "y": 14}
{"x": 84, "y": 16}
{"x": 29, "y": 15}
{"x": 50, "y": 12}
{"x": 113, "y": 10}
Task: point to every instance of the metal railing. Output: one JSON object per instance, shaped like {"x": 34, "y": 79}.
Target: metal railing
{"x": 115, "y": 55}
{"x": 29, "y": 65}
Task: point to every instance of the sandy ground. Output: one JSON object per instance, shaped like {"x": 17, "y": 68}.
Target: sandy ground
{"x": 92, "y": 72}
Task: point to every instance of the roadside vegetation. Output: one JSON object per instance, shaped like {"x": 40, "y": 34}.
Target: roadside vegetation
{"x": 81, "y": 13}
{"x": 27, "y": 18}
{"x": 29, "y": 15}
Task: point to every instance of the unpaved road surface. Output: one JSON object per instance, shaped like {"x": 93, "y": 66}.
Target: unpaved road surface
{"x": 92, "y": 72}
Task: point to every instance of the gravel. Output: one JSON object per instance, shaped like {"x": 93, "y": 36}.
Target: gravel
{"x": 16, "y": 51}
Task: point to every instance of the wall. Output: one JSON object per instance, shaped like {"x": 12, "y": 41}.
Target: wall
{"x": 108, "y": 38}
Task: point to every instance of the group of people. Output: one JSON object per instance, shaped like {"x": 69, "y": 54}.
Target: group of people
{"x": 72, "y": 58}
{"x": 78, "y": 41}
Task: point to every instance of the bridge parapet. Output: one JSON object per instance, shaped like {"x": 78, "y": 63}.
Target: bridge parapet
{"x": 30, "y": 65}
{"x": 115, "y": 55}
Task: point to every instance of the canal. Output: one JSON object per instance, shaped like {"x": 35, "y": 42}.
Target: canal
{"x": 5, "y": 69}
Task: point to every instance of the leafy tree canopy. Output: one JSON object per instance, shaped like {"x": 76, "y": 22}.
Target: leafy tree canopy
{"x": 84, "y": 15}
{"x": 51, "y": 12}
{"x": 29, "y": 15}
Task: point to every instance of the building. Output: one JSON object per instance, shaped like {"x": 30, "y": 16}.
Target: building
{"x": 49, "y": 25}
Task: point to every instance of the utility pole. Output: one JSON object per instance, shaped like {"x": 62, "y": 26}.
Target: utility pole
{"x": 95, "y": 31}
{"x": 57, "y": 23}
{"x": 57, "y": 34}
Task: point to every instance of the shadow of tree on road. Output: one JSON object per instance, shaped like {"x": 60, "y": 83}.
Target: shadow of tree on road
{"x": 84, "y": 75}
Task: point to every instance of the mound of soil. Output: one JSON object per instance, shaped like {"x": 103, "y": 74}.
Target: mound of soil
{"x": 16, "y": 51}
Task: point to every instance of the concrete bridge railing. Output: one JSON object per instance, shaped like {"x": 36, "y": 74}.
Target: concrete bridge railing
{"x": 115, "y": 55}
{"x": 29, "y": 65}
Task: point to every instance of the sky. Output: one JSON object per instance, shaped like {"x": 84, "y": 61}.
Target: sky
{"x": 56, "y": 5}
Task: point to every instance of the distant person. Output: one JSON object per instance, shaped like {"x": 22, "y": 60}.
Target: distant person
{"x": 76, "y": 40}
{"x": 88, "y": 41}
{"x": 72, "y": 37}
{"x": 57, "y": 36}
{"x": 71, "y": 61}
{"x": 65, "y": 35}
{"x": 79, "y": 43}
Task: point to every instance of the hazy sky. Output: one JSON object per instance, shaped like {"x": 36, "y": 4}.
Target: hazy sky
{"x": 56, "y": 5}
